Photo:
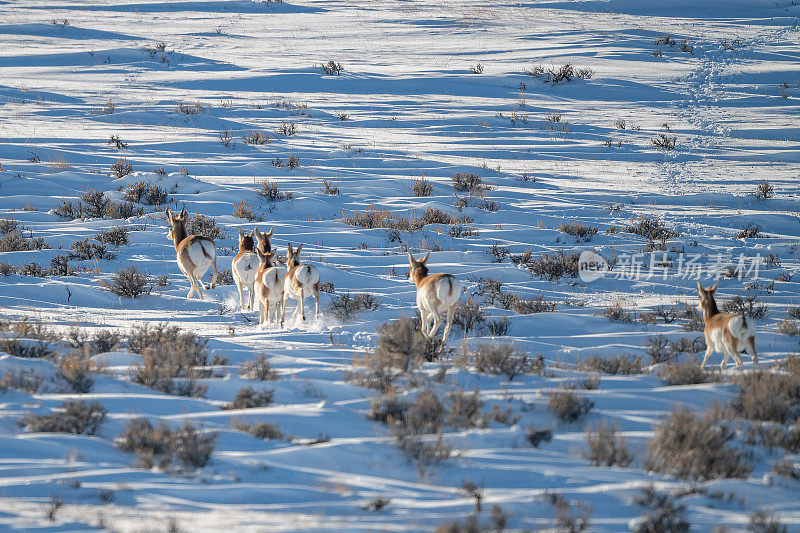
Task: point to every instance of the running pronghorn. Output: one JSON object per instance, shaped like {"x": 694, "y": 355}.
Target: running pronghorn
{"x": 726, "y": 333}
{"x": 269, "y": 286}
{"x": 244, "y": 266}
{"x": 435, "y": 293}
{"x": 194, "y": 253}
{"x": 301, "y": 279}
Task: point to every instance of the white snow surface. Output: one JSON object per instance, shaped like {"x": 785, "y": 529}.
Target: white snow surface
{"x": 413, "y": 110}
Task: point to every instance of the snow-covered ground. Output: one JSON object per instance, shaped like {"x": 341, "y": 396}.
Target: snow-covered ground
{"x": 405, "y": 107}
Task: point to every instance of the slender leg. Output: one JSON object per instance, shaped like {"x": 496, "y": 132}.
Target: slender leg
{"x": 736, "y": 356}
{"x": 214, "y": 269}
{"x": 709, "y": 350}
{"x": 301, "y": 304}
{"x": 450, "y": 312}
{"x": 283, "y": 308}
{"x": 423, "y": 322}
{"x": 750, "y": 346}
{"x": 316, "y": 297}
{"x": 261, "y": 315}
{"x": 252, "y": 296}
{"x": 436, "y": 323}
{"x": 198, "y": 285}
{"x": 241, "y": 292}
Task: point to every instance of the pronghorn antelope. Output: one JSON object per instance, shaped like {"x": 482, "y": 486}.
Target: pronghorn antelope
{"x": 194, "y": 253}
{"x": 435, "y": 293}
{"x": 301, "y": 279}
{"x": 269, "y": 286}
{"x": 726, "y": 333}
{"x": 244, "y": 266}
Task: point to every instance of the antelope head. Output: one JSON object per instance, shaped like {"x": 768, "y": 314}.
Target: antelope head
{"x": 293, "y": 256}
{"x": 246, "y": 242}
{"x": 418, "y": 268}
{"x": 263, "y": 240}
{"x": 176, "y": 223}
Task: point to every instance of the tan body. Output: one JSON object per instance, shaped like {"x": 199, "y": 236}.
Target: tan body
{"x": 436, "y": 294}
{"x": 301, "y": 281}
{"x": 269, "y": 281}
{"x": 195, "y": 254}
{"x": 725, "y": 333}
{"x": 245, "y": 264}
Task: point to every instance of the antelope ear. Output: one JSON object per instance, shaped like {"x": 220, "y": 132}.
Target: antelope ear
{"x": 184, "y": 215}
{"x": 289, "y": 249}
{"x": 699, "y": 287}
{"x": 270, "y": 232}
{"x": 714, "y": 288}
{"x": 254, "y": 232}
{"x": 168, "y": 213}
{"x": 241, "y": 233}
{"x": 425, "y": 259}
{"x": 298, "y": 249}
{"x": 410, "y": 259}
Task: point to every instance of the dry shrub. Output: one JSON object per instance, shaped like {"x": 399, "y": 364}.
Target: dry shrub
{"x": 504, "y": 359}
{"x": 615, "y": 313}
{"x": 121, "y": 168}
{"x": 146, "y": 193}
{"x": 270, "y": 192}
{"x": 85, "y": 250}
{"x": 465, "y": 410}
{"x": 421, "y": 187}
{"x": 73, "y": 416}
{"x": 23, "y": 380}
{"x": 469, "y": 316}
{"x": 205, "y": 226}
{"x": 186, "y": 447}
{"x": 345, "y": 306}
{"x": 578, "y": 230}
{"x": 15, "y": 241}
{"x": 169, "y": 353}
{"x": 765, "y": 522}
{"x": 663, "y": 514}
{"x": 652, "y": 228}
{"x": 116, "y": 236}
{"x": 329, "y": 188}
{"x": 764, "y": 190}
{"x": 551, "y": 266}
{"x": 537, "y": 436}
{"x": 689, "y": 446}
{"x": 788, "y": 326}
{"x": 249, "y": 398}
{"x": 262, "y": 430}
{"x": 606, "y": 446}
{"x": 749, "y": 306}
{"x": 686, "y": 372}
{"x": 401, "y": 348}
{"x": 621, "y": 364}
{"x": 569, "y": 406}
{"x": 130, "y": 283}
{"x": 768, "y": 396}
{"x": 76, "y": 369}
{"x": 258, "y": 368}
{"x": 468, "y": 182}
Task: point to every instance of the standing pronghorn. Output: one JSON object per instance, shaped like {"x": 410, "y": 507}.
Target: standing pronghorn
{"x": 194, "y": 253}
{"x": 726, "y": 333}
{"x": 244, "y": 266}
{"x": 435, "y": 293}
{"x": 269, "y": 286}
{"x": 301, "y": 279}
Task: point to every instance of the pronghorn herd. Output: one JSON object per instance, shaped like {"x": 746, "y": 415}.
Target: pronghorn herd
{"x": 271, "y": 284}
